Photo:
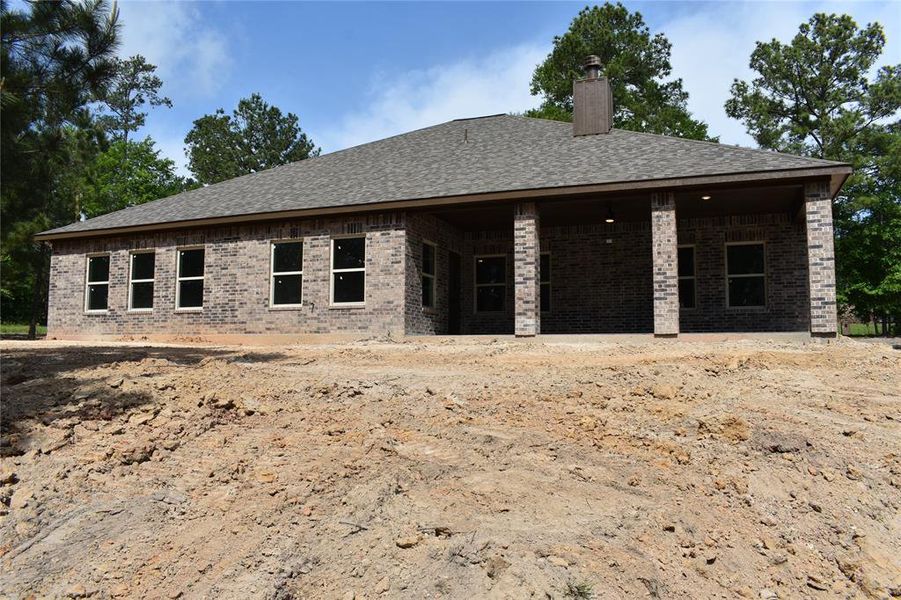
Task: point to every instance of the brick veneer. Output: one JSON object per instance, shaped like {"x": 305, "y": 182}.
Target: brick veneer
{"x": 821, "y": 258}
{"x": 786, "y": 309}
{"x": 526, "y": 270}
{"x": 421, "y": 228}
{"x": 601, "y": 277}
{"x": 665, "y": 274}
{"x": 236, "y": 285}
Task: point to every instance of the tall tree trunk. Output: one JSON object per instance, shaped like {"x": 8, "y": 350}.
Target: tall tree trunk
{"x": 885, "y": 324}
{"x": 37, "y": 293}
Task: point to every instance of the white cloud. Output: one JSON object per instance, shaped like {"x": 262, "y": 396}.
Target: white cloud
{"x": 713, "y": 46}
{"x": 192, "y": 57}
{"x": 396, "y": 103}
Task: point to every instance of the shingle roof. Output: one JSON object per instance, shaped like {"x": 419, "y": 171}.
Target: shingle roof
{"x": 462, "y": 157}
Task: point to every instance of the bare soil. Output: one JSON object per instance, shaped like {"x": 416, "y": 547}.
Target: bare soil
{"x": 451, "y": 469}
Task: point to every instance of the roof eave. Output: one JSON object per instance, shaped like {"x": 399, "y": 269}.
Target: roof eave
{"x": 837, "y": 174}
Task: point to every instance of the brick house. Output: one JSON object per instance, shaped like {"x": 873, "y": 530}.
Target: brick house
{"x": 499, "y": 224}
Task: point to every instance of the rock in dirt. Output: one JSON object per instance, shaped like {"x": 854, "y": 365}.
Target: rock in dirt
{"x": 780, "y": 443}
{"x": 407, "y": 541}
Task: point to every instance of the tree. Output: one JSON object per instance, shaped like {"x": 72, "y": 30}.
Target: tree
{"x": 127, "y": 174}
{"x": 133, "y": 86}
{"x": 636, "y": 63}
{"x": 55, "y": 58}
{"x": 814, "y": 97}
{"x": 255, "y": 137}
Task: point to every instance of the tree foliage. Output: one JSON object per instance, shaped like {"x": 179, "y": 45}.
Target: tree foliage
{"x": 127, "y": 174}
{"x": 255, "y": 137}
{"x": 55, "y": 59}
{"x": 133, "y": 86}
{"x": 636, "y": 63}
{"x": 815, "y": 97}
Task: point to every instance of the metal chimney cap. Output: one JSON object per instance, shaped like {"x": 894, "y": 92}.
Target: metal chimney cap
{"x": 592, "y": 66}
{"x": 592, "y": 60}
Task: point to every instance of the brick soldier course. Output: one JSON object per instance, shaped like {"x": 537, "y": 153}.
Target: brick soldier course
{"x": 609, "y": 213}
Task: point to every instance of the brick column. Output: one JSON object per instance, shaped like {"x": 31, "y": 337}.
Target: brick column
{"x": 526, "y": 265}
{"x": 820, "y": 259}
{"x": 664, "y": 247}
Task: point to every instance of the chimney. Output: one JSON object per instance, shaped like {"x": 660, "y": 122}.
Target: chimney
{"x": 592, "y": 101}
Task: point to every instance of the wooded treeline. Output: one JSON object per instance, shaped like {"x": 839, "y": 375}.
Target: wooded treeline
{"x": 71, "y": 110}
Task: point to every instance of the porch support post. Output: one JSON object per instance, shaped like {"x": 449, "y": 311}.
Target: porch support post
{"x": 820, "y": 259}
{"x": 526, "y": 265}
{"x": 664, "y": 246}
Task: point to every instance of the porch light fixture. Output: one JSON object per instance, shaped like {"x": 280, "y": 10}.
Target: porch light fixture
{"x": 705, "y": 197}
{"x": 609, "y": 218}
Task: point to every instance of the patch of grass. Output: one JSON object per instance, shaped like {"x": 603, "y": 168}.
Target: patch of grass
{"x": 579, "y": 590}
{"x": 19, "y": 329}
{"x": 864, "y": 329}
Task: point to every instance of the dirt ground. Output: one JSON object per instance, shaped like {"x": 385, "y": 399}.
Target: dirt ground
{"x": 451, "y": 469}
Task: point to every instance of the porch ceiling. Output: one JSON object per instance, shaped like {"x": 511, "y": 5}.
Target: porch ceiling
{"x": 631, "y": 208}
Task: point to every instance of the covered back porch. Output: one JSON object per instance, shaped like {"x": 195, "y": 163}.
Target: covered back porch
{"x": 718, "y": 258}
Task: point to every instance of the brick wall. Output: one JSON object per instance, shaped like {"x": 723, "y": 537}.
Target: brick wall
{"x": 446, "y": 238}
{"x": 601, "y": 278}
{"x": 821, "y": 251}
{"x": 787, "y": 307}
{"x": 526, "y": 269}
{"x": 237, "y": 279}
{"x": 665, "y": 273}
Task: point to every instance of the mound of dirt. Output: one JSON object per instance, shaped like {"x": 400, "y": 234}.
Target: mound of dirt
{"x": 458, "y": 469}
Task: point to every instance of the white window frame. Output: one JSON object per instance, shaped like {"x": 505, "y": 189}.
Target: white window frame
{"x": 476, "y": 285}
{"x": 132, "y": 281}
{"x": 433, "y": 277}
{"x": 765, "y": 286}
{"x": 273, "y": 273}
{"x": 333, "y": 270}
{"x": 88, "y": 282}
{"x": 694, "y": 273}
{"x": 542, "y": 281}
{"x": 179, "y": 278}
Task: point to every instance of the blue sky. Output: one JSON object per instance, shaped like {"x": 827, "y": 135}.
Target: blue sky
{"x": 355, "y": 72}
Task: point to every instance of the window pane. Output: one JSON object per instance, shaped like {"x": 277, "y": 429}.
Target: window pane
{"x": 745, "y": 259}
{"x": 287, "y": 256}
{"x": 490, "y": 298}
{"x": 746, "y": 291}
{"x": 98, "y": 268}
{"x": 428, "y": 259}
{"x": 428, "y": 292}
{"x": 190, "y": 293}
{"x": 545, "y": 297}
{"x": 286, "y": 289}
{"x": 98, "y": 296}
{"x": 350, "y": 253}
{"x": 686, "y": 293}
{"x": 349, "y": 287}
{"x": 686, "y": 262}
{"x": 142, "y": 265}
{"x": 490, "y": 269}
{"x": 142, "y": 295}
{"x": 545, "y": 268}
{"x": 190, "y": 263}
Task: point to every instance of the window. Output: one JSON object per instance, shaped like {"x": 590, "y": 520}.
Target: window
{"x": 189, "y": 290}
{"x": 141, "y": 274}
{"x": 745, "y": 273}
{"x": 545, "y": 269}
{"x": 349, "y": 270}
{"x": 687, "y": 291}
{"x": 428, "y": 275}
{"x": 96, "y": 293}
{"x": 491, "y": 283}
{"x": 286, "y": 288}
